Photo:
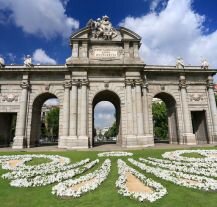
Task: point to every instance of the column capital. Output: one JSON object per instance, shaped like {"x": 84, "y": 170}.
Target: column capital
{"x": 182, "y": 82}
{"x": 84, "y": 82}
{"x": 74, "y": 82}
{"x": 128, "y": 82}
{"x": 138, "y": 82}
{"x": 24, "y": 84}
{"x": 210, "y": 84}
{"x": 67, "y": 84}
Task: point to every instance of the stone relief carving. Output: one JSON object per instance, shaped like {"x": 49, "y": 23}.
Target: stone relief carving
{"x": 10, "y": 98}
{"x": 196, "y": 97}
{"x": 102, "y": 28}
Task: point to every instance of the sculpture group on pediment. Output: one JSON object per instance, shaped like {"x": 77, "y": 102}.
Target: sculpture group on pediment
{"x": 28, "y": 61}
{"x": 2, "y": 62}
{"x": 102, "y": 28}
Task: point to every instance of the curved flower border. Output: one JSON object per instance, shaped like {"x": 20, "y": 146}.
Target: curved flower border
{"x": 114, "y": 154}
{"x": 56, "y": 177}
{"x": 179, "y": 178}
{"x": 98, "y": 176}
{"x": 42, "y": 171}
{"x": 176, "y": 155}
{"x": 123, "y": 168}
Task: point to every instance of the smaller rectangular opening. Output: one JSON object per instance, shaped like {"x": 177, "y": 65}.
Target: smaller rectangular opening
{"x": 7, "y": 128}
{"x": 200, "y": 126}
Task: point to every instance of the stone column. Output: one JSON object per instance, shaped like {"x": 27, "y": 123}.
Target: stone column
{"x": 20, "y": 137}
{"x": 66, "y": 109}
{"x": 188, "y": 136}
{"x": 74, "y": 109}
{"x": 213, "y": 109}
{"x": 129, "y": 108}
{"x": 139, "y": 110}
{"x": 83, "y": 138}
{"x": 145, "y": 109}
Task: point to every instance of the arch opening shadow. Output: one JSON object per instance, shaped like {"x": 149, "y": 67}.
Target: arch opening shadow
{"x": 45, "y": 121}
{"x": 113, "y": 98}
{"x": 168, "y": 124}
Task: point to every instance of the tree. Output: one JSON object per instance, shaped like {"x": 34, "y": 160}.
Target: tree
{"x": 160, "y": 120}
{"x": 112, "y": 131}
{"x": 52, "y": 121}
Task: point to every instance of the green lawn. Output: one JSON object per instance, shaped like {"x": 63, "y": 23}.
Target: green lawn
{"x": 104, "y": 196}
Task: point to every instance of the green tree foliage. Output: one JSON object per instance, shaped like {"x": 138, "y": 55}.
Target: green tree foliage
{"x": 160, "y": 121}
{"x": 112, "y": 131}
{"x": 52, "y": 120}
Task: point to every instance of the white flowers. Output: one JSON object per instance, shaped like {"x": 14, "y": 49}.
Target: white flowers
{"x": 157, "y": 190}
{"x": 75, "y": 188}
{"x": 43, "y": 180}
{"x": 190, "y": 172}
{"x": 114, "y": 154}
{"x": 179, "y": 178}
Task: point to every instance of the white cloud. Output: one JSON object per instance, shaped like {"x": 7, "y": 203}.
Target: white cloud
{"x": 39, "y": 56}
{"x": 177, "y": 30}
{"x": 52, "y": 102}
{"x": 104, "y": 114}
{"x": 155, "y": 3}
{"x": 46, "y": 18}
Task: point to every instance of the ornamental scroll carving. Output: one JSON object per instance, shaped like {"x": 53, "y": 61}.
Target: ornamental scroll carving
{"x": 9, "y": 98}
{"x": 196, "y": 97}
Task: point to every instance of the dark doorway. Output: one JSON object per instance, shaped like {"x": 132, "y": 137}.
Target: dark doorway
{"x": 7, "y": 128}
{"x": 200, "y": 126}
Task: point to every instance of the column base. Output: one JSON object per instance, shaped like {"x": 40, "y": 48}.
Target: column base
{"x": 73, "y": 142}
{"x": 189, "y": 138}
{"x": 214, "y": 138}
{"x": 18, "y": 142}
{"x": 133, "y": 141}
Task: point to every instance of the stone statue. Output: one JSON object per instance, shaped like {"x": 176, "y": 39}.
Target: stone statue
{"x": 205, "y": 64}
{"x": 2, "y": 62}
{"x": 102, "y": 28}
{"x": 28, "y": 61}
{"x": 180, "y": 63}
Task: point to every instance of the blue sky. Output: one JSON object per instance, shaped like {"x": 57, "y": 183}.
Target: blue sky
{"x": 169, "y": 28}
{"x": 43, "y": 27}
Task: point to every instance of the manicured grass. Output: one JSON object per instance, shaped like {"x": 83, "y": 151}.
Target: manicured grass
{"x": 193, "y": 155}
{"x": 38, "y": 161}
{"x": 106, "y": 195}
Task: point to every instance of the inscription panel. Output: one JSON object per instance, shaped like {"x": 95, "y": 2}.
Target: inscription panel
{"x": 106, "y": 53}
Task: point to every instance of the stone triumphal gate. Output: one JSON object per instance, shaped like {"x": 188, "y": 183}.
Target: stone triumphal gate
{"x": 105, "y": 66}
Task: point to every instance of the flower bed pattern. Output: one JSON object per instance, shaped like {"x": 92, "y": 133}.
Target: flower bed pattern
{"x": 75, "y": 188}
{"x": 114, "y": 154}
{"x": 158, "y": 190}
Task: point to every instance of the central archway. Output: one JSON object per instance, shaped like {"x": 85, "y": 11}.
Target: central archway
{"x": 113, "y": 98}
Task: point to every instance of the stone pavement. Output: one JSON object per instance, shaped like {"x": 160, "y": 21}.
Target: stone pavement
{"x": 106, "y": 147}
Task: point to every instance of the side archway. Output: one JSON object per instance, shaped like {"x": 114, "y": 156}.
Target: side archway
{"x": 36, "y": 120}
{"x": 171, "y": 113}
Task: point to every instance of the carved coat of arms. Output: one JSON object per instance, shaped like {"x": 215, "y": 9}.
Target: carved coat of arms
{"x": 102, "y": 28}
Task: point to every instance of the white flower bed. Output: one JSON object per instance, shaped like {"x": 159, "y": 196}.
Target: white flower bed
{"x": 182, "y": 167}
{"x": 52, "y": 178}
{"x": 87, "y": 183}
{"x": 114, "y": 154}
{"x": 55, "y": 159}
{"x": 177, "y": 155}
{"x": 123, "y": 169}
{"x": 179, "y": 178}
{"x": 42, "y": 171}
